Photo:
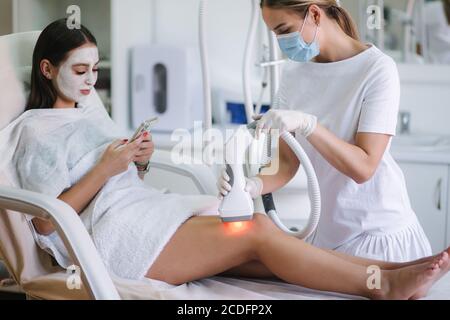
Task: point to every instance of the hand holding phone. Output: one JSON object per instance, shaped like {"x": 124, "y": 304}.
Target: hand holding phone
{"x": 144, "y": 127}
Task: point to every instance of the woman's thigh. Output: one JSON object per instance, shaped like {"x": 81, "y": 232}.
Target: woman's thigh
{"x": 204, "y": 247}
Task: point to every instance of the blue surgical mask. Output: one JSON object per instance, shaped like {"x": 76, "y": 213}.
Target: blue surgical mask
{"x": 295, "y": 48}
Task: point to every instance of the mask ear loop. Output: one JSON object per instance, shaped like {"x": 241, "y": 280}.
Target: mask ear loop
{"x": 304, "y": 23}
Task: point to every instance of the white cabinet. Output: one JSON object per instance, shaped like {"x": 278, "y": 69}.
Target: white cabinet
{"x": 429, "y": 193}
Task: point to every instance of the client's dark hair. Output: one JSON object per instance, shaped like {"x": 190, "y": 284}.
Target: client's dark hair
{"x": 447, "y": 9}
{"x": 54, "y": 43}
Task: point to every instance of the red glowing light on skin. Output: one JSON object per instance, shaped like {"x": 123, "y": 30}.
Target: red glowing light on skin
{"x": 237, "y": 227}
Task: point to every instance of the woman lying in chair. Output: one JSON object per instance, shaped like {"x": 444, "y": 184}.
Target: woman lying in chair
{"x": 70, "y": 150}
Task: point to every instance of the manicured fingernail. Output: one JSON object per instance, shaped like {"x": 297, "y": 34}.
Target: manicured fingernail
{"x": 125, "y": 140}
{"x": 145, "y": 134}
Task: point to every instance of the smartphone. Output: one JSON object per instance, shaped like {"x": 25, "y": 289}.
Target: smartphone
{"x": 144, "y": 127}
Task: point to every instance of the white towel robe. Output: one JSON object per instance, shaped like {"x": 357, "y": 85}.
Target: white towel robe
{"x": 130, "y": 223}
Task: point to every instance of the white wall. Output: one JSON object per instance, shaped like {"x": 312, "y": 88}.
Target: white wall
{"x": 97, "y": 20}
{"x": 228, "y": 22}
{"x": 128, "y": 30}
{"x": 34, "y": 14}
{"x": 95, "y": 15}
{"x": 426, "y": 94}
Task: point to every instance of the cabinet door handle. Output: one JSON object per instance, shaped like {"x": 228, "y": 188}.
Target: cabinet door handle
{"x": 438, "y": 195}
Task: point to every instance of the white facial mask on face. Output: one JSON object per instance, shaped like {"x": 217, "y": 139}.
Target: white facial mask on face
{"x": 73, "y": 86}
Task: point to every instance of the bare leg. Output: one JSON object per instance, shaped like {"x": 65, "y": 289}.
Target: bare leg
{"x": 204, "y": 247}
{"x": 256, "y": 269}
{"x": 323, "y": 271}
{"x": 381, "y": 264}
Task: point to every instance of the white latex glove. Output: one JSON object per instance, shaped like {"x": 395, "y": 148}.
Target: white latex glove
{"x": 254, "y": 186}
{"x": 287, "y": 121}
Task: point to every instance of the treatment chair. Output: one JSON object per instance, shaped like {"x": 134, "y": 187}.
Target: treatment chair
{"x": 32, "y": 268}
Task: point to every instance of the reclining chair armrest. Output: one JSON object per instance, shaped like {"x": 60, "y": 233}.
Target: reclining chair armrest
{"x": 72, "y": 232}
{"x": 201, "y": 175}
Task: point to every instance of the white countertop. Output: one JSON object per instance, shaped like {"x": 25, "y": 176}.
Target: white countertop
{"x": 431, "y": 157}
{"x": 422, "y": 148}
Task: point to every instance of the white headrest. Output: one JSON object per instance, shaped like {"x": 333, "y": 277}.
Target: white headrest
{"x": 12, "y": 99}
{"x": 16, "y": 56}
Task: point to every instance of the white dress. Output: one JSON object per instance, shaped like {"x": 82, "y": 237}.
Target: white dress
{"x": 373, "y": 220}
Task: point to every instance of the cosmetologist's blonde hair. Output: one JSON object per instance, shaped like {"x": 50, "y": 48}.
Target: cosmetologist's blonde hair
{"x": 332, "y": 8}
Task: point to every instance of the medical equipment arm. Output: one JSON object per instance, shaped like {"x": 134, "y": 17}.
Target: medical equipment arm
{"x": 248, "y": 56}
{"x": 254, "y": 186}
{"x": 287, "y": 169}
{"x": 207, "y": 94}
{"x": 237, "y": 206}
{"x": 313, "y": 192}
{"x": 72, "y": 232}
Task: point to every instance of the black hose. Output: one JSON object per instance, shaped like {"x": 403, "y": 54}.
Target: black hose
{"x": 269, "y": 204}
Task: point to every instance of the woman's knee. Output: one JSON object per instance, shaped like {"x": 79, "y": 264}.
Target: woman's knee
{"x": 241, "y": 245}
{"x": 263, "y": 222}
{"x": 262, "y": 228}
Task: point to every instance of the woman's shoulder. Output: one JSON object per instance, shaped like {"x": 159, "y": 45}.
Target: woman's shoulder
{"x": 30, "y": 133}
{"x": 33, "y": 125}
{"x": 381, "y": 77}
{"x": 381, "y": 61}
{"x": 27, "y": 122}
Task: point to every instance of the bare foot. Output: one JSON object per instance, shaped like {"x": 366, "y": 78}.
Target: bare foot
{"x": 413, "y": 282}
{"x": 444, "y": 266}
{"x": 420, "y": 261}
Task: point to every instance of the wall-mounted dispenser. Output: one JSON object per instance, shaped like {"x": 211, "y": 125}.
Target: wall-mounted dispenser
{"x": 166, "y": 83}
